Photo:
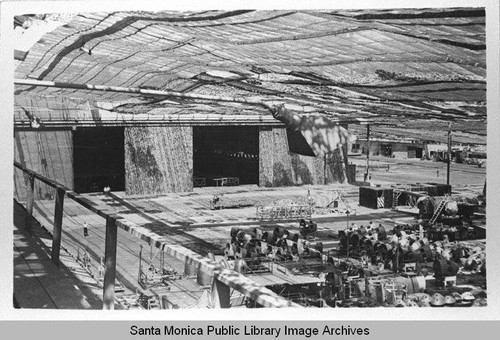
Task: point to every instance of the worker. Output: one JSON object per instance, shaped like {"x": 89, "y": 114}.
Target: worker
{"x": 229, "y": 252}
{"x": 295, "y": 252}
{"x": 265, "y": 237}
{"x": 85, "y": 229}
{"x": 258, "y": 248}
{"x": 269, "y": 253}
{"x": 308, "y": 229}
{"x": 257, "y": 234}
{"x": 241, "y": 238}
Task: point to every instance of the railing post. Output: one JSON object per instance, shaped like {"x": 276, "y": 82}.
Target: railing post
{"x": 110, "y": 264}
{"x": 57, "y": 230}
{"x": 28, "y": 218}
{"x": 221, "y": 294}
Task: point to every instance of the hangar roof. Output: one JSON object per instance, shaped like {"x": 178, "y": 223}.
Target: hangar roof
{"x": 396, "y": 67}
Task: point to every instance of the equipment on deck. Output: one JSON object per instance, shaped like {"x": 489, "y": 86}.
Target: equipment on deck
{"x": 445, "y": 272}
{"x": 284, "y": 212}
{"x": 153, "y": 276}
{"x": 437, "y": 300}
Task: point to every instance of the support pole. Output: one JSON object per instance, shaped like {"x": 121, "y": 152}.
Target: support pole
{"x": 110, "y": 264}
{"x": 221, "y": 294}
{"x": 345, "y": 158}
{"x": 448, "y": 163}
{"x": 28, "y": 218}
{"x": 57, "y": 230}
{"x": 325, "y": 181}
{"x": 343, "y": 154}
{"x": 367, "y": 173}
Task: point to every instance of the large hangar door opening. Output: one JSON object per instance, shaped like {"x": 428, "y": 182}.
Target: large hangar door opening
{"x": 226, "y": 151}
{"x": 99, "y": 159}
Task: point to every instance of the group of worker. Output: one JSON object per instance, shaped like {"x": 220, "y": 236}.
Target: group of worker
{"x": 278, "y": 245}
{"x": 370, "y": 231}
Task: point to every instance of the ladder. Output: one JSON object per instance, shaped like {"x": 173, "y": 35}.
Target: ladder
{"x": 438, "y": 211}
{"x": 395, "y": 198}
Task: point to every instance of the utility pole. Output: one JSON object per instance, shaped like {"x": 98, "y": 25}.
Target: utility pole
{"x": 367, "y": 173}
{"x": 449, "y": 155}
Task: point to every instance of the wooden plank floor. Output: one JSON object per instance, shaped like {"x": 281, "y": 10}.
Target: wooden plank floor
{"x": 128, "y": 248}
{"x": 39, "y": 283}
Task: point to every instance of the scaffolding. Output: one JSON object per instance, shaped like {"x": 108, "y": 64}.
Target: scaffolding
{"x": 412, "y": 193}
{"x": 284, "y": 212}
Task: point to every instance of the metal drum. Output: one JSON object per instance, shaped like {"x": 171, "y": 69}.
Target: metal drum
{"x": 379, "y": 291}
{"x": 443, "y": 268}
{"x": 411, "y": 284}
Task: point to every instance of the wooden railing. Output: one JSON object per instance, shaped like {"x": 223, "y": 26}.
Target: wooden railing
{"x": 111, "y": 228}
{"x": 223, "y": 279}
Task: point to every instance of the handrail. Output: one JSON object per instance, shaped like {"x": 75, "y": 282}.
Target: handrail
{"x": 221, "y": 275}
{"x": 70, "y": 193}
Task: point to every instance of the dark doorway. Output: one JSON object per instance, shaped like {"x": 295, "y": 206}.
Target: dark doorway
{"x": 225, "y": 151}
{"x": 418, "y": 151}
{"x": 386, "y": 149}
{"x": 98, "y": 159}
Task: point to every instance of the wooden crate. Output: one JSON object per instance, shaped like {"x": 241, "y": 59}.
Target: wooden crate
{"x": 375, "y": 197}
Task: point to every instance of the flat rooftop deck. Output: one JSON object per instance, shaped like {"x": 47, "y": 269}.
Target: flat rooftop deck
{"x": 186, "y": 219}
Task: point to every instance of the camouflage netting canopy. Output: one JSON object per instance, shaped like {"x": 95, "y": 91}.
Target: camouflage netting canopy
{"x": 421, "y": 66}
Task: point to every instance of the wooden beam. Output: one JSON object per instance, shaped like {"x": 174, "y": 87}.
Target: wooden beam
{"x": 33, "y": 82}
{"x": 268, "y": 104}
{"x": 110, "y": 263}
{"x": 57, "y": 230}
{"x": 28, "y": 218}
{"x": 228, "y": 277}
{"x": 108, "y": 118}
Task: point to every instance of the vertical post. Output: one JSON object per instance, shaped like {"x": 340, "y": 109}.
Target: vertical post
{"x": 324, "y": 170}
{"x": 347, "y": 249}
{"x": 221, "y": 294}
{"x": 448, "y": 163}
{"x": 367, "y": 172}
{"x": 57, "y": 230}
{"x": 343, "y": 156}
{"x": 28, "y": 219}
{"x": 110, "y": 263}
{"x": 140, "y": 263}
